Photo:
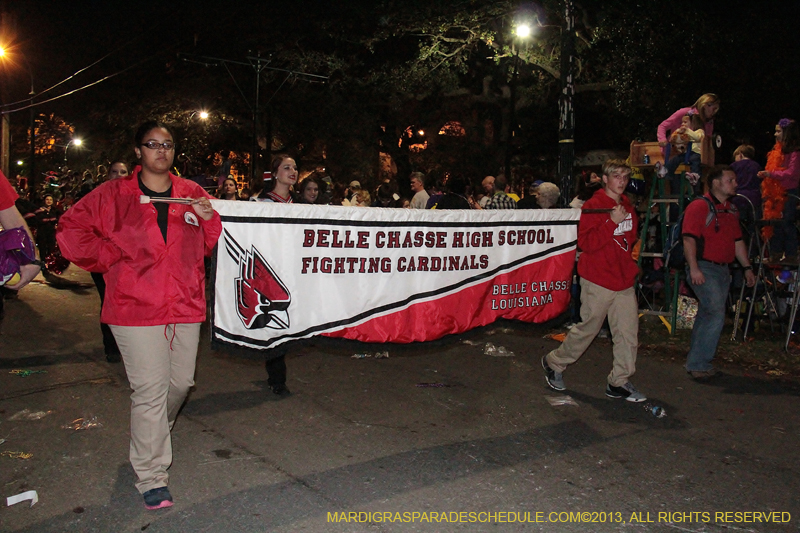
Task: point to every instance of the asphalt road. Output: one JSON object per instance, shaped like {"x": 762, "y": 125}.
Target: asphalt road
{"x": 362, "y": 436}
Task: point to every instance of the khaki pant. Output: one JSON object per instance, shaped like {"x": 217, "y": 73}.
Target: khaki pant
{"x": 623, "y": 317}
{"x": 160, "y": 363}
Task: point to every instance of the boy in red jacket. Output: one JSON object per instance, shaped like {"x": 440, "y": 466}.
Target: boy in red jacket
{"x": 608, "y": 273}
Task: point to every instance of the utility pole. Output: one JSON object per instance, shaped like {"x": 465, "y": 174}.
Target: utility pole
{"x": 260, "y": 65}
{"x": 566, "y": 113}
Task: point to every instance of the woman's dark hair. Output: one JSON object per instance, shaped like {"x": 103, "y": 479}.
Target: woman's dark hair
{"x": 587, "y": 188}
{"x": 269, "y": 186}
{"x": 384, "y": 196}
{"x": 222, "y": 193}
{"x": 120, "y": 161}
{"x": 457, "y": 184}
{"x": 791, "y": 137}
{"x": 146, "y": 127}
{"x": 338, "y": 193}
{"x": 303, "y": 184}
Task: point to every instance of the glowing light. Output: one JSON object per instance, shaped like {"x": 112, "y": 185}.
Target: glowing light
{"x": 203, "y": 115}
{"x": 20, "y": 163}
{"x": 523, "y": 31}
{"x": 76, "y": 142}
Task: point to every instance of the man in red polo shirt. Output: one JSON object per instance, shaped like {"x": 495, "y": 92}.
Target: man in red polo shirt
{"x": 711, "y": 241}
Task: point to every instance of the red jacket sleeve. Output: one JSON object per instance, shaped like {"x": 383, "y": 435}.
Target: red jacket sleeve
{"x": 212, "y": 228}
{"x": 84, "y": 234}
{"x": 595, "y": 231}
{"x": 7, "y": 194}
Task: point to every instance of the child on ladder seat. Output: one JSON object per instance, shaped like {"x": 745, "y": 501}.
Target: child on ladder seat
{"x": 691, "y": 132}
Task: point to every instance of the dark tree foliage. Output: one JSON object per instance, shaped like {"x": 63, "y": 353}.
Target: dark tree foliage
{"x": 393, "y": 66}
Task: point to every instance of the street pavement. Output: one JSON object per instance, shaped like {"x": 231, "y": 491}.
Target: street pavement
{"x": 361, "y": 436}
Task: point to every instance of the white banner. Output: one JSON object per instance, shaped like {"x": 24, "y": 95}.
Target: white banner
{"x": 287, "y": 272}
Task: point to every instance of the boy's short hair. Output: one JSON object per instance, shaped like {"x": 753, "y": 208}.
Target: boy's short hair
{"x": 612, "y": 165}
{"x": 716, "y": 173}
{"x": 746, "y": 150}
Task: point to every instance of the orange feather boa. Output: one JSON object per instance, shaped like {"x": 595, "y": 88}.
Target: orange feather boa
{"x": 772, "y": 193}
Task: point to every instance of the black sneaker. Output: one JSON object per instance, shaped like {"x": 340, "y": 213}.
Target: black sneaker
{"x": 281, "y": 390}
{"x": 555, "y": 380}
{"x": 627, "y": 391}
{"x": 159, "y": 498}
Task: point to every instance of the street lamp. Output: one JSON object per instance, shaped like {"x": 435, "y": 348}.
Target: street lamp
{"x": 76, "y": 142}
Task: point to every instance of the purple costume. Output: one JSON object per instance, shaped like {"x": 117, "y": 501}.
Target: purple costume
{"x": 747, "y": 184}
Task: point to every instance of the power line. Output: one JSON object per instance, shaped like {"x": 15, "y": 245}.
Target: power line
{"x": 36, "y": 104}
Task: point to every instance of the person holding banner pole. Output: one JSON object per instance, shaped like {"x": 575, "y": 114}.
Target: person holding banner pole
{"x": 278, "y": 189}
{"x": 148, "y": 233}
{"x": 606, "y": 234}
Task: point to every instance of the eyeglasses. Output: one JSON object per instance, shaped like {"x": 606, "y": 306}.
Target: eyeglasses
{"x": 154, "y": 145}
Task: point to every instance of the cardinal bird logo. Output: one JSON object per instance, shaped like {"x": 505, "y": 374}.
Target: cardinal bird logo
{"x": 261, "y": 296}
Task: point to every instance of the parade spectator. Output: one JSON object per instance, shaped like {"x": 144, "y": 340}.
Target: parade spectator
{"x": 230, "y": 190}
{"x": 338, "y": 192}
{"x": 511, "y": 191}
{"x": 351, "y": 193}
{"x": 706, "y": 107}
{"x": 455, "y": 195}
{"x": 500, "y": 200}
{"x": 608, "y": 274}
{"x": 712, "y": 240}
{"x": 152, "y": 258}
{"x": 362, "y": 198}
{"x": 46, "y": 221}
{"x": 436, "y": 192}
{"x": 589, "y": 184}
{"x": 748, "y": 184}
{"x": 308, "y": 192}
{"x": 785, "y": 168}
{"x": 547, "y": 195}
{"x": 530, "y": 202}
{"x": 278, "y": 190}
{"x": 405, "y": 203}
{"x": 487, "y": 185}
{"x": 420, "y": 199}
{"x": 385, "y": 196}
{"x": 117, "y": 169}
{"x": 691, "y": 131}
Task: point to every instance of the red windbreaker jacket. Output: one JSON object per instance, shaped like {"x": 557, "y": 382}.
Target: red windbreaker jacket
{"x": 148, "y": 282}
{"x": 606, "y": 247}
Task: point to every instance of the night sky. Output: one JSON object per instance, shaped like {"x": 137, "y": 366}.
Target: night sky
{"x": 59, "y": 38}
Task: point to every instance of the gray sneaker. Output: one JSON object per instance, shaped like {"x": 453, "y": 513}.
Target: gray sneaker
{"x": 627, "y": 391}
{"x": 554, "y": 379}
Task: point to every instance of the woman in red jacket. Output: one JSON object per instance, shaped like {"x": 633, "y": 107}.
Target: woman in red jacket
{"x": 152, "y": 258}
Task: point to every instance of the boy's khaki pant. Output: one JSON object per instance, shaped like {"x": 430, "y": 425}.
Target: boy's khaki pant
{"x": 160, "y": 363}
{"x": 623, "y": 318}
